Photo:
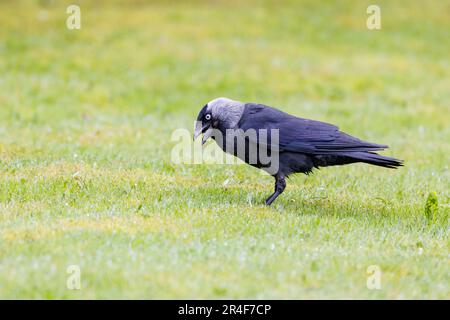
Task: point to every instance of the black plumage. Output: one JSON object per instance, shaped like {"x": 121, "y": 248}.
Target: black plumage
{"x": 303, "y": 144}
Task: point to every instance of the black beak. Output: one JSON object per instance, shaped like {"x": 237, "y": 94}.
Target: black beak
{"x": 199, "y": 129}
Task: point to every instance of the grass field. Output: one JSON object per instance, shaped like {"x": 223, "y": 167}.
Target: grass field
{"x": 86, "y": 176}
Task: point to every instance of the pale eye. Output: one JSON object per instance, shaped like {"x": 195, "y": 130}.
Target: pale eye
{"x": 208, "y": 117}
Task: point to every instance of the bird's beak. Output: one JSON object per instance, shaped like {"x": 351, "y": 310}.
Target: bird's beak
{"x": 199, "y": 129}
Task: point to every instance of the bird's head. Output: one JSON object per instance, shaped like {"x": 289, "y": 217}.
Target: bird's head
{"x": 220, "y": 113}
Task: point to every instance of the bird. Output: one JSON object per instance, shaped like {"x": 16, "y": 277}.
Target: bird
{"x": 299, "y": 145}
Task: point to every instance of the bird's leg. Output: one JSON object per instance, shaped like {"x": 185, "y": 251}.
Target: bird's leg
{"x": 280, "y": 184}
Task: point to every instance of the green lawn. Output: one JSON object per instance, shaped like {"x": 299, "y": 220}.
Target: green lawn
{"x": 86, "y": 177}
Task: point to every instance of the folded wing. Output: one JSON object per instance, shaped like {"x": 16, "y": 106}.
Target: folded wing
{"x": 303, "y": 135}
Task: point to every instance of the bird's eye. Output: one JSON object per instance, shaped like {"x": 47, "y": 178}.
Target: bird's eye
{"x": 208, "y": 117}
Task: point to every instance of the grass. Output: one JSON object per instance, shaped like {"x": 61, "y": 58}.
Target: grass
{"x": 86, "y": 177}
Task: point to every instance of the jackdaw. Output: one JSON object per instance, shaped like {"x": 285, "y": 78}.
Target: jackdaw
{"x": 280, "y": 143}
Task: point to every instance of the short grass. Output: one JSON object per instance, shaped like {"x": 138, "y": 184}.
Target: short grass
{"x": 86, "y": 175}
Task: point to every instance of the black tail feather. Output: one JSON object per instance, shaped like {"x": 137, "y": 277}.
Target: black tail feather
{"x": 376, "y": 159}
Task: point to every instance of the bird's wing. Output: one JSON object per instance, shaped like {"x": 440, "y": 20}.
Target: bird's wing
{"x": 302, "y": 135}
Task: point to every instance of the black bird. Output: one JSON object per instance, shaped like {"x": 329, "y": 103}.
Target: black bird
{"x": 302, "y": 144}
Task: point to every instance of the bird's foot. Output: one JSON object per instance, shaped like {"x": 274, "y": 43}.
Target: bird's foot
{"x": 280, "y": 185}
{"x": 272, "y": 198}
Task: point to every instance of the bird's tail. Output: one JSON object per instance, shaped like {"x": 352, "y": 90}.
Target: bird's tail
{"x": 376, "y": 159}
